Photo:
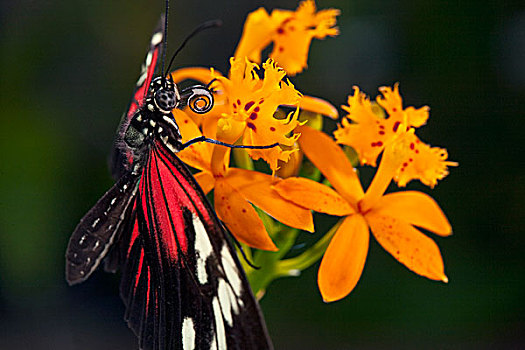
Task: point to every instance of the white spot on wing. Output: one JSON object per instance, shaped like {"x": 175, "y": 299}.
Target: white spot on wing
{"x": 231, "y": 270}
{"x": 213, "y": 343}
{"x": 156, "y": 39}
{"x": 95, "y": 223}
{"x": 203, "y": 248}
{"x": 149, "y": 58}
{"x": 228, "y": 301}
{"x": 188, "y": 334}
{"x": 141, "y": 80}
{"x": 219, "y": 325}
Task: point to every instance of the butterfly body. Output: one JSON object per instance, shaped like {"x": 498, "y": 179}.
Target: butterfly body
{"x": 182, "y": 284}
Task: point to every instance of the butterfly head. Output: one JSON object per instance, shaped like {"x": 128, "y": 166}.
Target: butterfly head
{"x": 165, "y": 94}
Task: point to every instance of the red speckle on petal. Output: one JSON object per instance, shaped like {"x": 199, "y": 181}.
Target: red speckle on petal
{"x": 396, "y": 125}
{"x": 381, "y": 126}
{"x": 239, "y": 102}
{"x": 186, "y": 121}
{"x": 405, "y": 164}
{"x": 417, "y": 151}
{"x": 394, "y": 109}
{"x": 261, "y": 100}
{"x": 256, "y": 109}
{"x": 253, "y": 116}
{"x": 248, "y": 105}
{"x": 281, "y": 49}
{"x": 379, "y": 143}
{"x": 272, "y": 128}
{"x": 381, "y": 132}
{"x": 243, "y": 210}
{"x": 228, "y": 207}
{"x": 410, "y": 160}
{"x": 251, "y": 126}
{"x": 280, "y": 31}
{"x": 412, "y": 146}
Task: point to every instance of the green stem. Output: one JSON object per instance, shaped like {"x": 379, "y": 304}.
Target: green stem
{"x": 242, "y": 159}
{"x": 310, "y": 256}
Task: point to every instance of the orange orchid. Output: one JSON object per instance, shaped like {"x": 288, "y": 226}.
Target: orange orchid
{"x": 368, "y": 131}
{"x": 236, "y": 190}
{"x": 249, "y": 112}
{"x": 390, "y": 217}
{"x": 290, "y": 31}
{"x": 245, "y": 105}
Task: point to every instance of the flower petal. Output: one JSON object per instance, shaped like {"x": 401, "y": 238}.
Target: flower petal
{"x": 318, "y": 105}
{"x": 205, "y": 180}
{"x": 295, "y": 32}
{"x": 257, "y": 189}
{"x": 197, "y": 155}
{"x": 240, "y": 217}
{"x": 204, "y": 75}
{"x": 364, "y": 129}
{"x": 408, "y": 245}
{"x": 256, "y": 35}
{"x": 391, "y": 101}
{"x": 252, "y": 103}
{"x": 367, "y": 130}
{"x": 424, "y": 163}
{"x": 313, "y": 195}
{"x": 344, "y": 259}
{"x": 416, "y": 208}
{"x": 330, "y": 159}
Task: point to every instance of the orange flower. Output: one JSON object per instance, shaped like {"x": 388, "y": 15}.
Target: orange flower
{"x": 249, "y": 112}
{"x": 236, "y": 190}
{"x": 368, "y": 131}
{"x": 291, "y": 33}
{"x": 390, "y": 217}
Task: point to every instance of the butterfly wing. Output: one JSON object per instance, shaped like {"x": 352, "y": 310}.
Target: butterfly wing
{"x": 99, "y": 228}
{"x": 121, "y": 159}
{"x": 182, "y": 283}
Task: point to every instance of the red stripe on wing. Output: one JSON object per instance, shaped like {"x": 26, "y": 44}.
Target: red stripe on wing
{"x": 164, "y": 202}
{"x": 192, "y": 197}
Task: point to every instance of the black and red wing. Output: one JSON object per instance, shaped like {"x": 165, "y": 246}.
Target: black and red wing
{"x": 121, "y": 157}
{"x": 182, "y": 283}
{"x": 99, "y": 228}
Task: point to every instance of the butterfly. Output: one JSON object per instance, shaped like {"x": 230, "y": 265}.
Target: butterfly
{"x": 182, "y": 284}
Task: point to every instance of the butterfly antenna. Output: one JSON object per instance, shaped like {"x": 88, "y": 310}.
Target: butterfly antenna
{"x": 206, "y": 25}
{"x": 165, "y": 35}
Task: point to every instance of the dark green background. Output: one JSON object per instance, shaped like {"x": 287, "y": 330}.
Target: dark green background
{"x": 67, "y": 71}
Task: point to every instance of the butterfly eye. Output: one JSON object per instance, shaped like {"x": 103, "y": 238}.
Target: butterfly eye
{"x": 165, "y": 99}
{"x": 201, "y": 100}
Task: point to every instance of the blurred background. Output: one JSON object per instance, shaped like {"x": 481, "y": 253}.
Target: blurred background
{"x": 67, "y": 72}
